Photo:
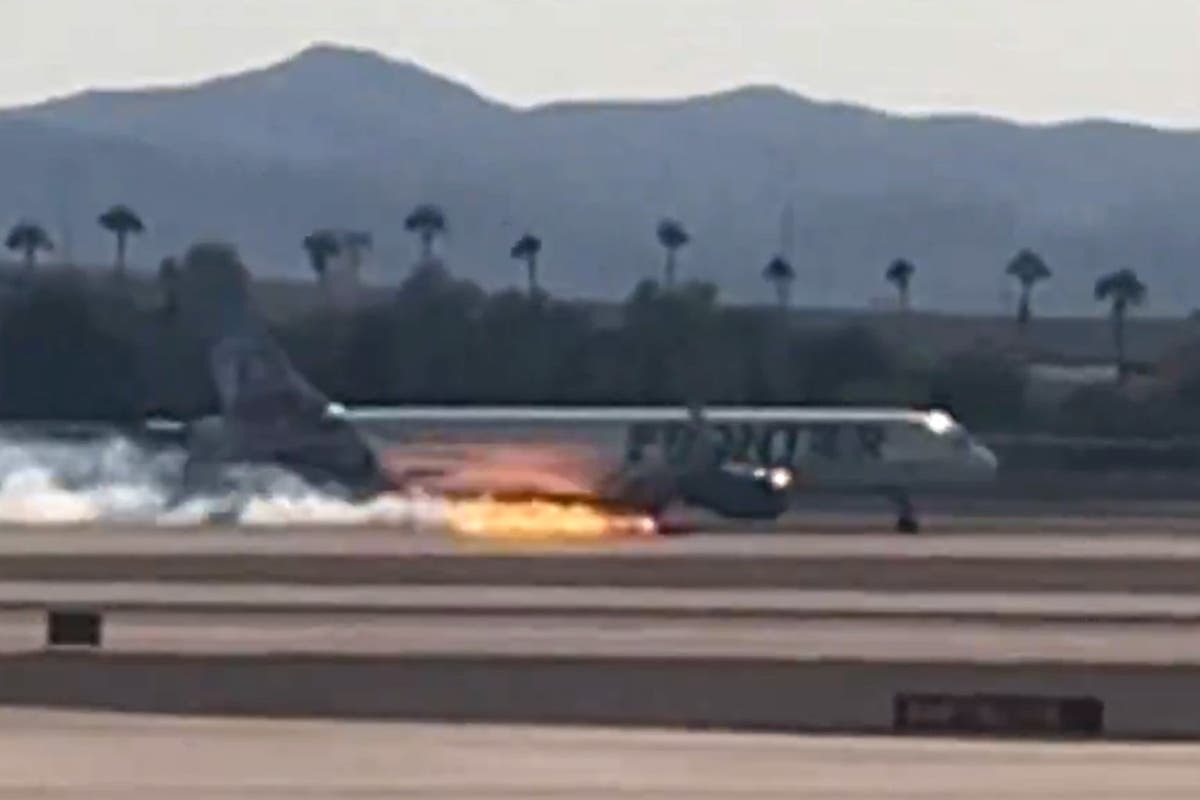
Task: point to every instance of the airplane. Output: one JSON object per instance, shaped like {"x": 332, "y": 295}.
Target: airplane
{"x": 741, "y": 463}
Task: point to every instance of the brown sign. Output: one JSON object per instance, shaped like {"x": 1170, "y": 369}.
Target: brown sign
{"x": 998, "y": 713}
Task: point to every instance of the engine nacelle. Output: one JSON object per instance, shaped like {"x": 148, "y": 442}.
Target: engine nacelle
{"x": 740, "y": 491}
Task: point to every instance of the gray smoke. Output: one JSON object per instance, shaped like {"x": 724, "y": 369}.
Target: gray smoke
{"x": 53, "y": 482}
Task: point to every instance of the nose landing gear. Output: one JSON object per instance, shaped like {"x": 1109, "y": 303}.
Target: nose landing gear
{"x": 906, "y": 515}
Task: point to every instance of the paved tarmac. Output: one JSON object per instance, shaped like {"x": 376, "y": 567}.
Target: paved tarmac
{"x": 1102, "y": 537}
{"x": 913, "y": 640}
{"x": 1108, "y": 559}
{"x": 810, "y": 631}
{"x": 69, "y": 756}
{"x": 483, "y": 601}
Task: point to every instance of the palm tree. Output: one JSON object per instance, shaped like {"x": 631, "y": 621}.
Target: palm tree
{"x": 428, "y": 222}
{"x": 781, "y": 275}
{"x": 1123, "y": 289}
{"x": 900, "y": 274}
{"x": 321, "y": 246}
{"x": 672, "y": 236}
{"x": 121, "y": 221}
{"x": 28, "y": 238}
{"x": 527, "y": 249}
{"x": 354, "y": 244}
{"x": 1029, "y": 269}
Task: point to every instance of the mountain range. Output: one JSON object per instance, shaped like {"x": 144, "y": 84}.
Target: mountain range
{"x": 337, "y": 137}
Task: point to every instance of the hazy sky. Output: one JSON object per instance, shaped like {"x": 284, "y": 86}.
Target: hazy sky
{"x": 1028, "y": 59}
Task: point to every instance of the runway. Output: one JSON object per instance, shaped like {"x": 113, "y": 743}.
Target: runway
{"x": 478, "y": 602}
{"x": 1065, "y": 520}
{"x": 1112, "y": 554}
{"x": 432, "y": 643}
{"x": 68, "y": 756}
{"x": 1098, "y": 533}
{"x": 634, "y": 636}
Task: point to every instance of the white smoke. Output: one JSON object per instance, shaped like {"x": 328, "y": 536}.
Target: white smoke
{"x": 54, "y": 482}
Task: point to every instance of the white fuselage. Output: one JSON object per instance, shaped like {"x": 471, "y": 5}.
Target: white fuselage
{"x": 579, "y": 450}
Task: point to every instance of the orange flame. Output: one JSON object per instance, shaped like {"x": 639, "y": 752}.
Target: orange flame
{"x": 543, "y": 520}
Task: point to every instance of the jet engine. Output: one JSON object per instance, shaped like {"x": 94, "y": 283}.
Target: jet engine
{"x": 739, "y": 491}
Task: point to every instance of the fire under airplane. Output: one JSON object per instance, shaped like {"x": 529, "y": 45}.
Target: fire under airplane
{"x": 742, "y": 463}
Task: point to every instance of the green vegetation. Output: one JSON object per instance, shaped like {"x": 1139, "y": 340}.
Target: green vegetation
{"x": 527, "y": 249}
{"x": 72, "y": 347}
{"x": 324, "y": 245}
{"x": 355, "y": 244}
{"x": 1029, "y": 270}
{"x": 900, "y": 274}
{"x": 121, "y": 222}
{"x": 1122, "y": 289}
{"x": 428, "y": 222}
{"x": 68, "y": 354}
{"x": 782, "y": 276}
{"x": 673, "y": 237}
{"x": 28, "y": 239}
{"x": 320, "y": 246}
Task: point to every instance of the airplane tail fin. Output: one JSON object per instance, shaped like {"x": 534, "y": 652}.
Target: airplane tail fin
{"x": 269, "y": 412}
{"x": 255, "y": 380}
{"x": 701, "y": 441}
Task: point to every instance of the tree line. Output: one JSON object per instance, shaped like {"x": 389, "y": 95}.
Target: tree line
{"x": 76, "y": 346}
{"x": 442, "y": 339}
{"x": 1122, "y": 289}
{"x": 30, "y": 239}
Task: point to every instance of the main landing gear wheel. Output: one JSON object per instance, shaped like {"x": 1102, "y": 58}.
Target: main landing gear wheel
{"x": 906, "y": 515}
